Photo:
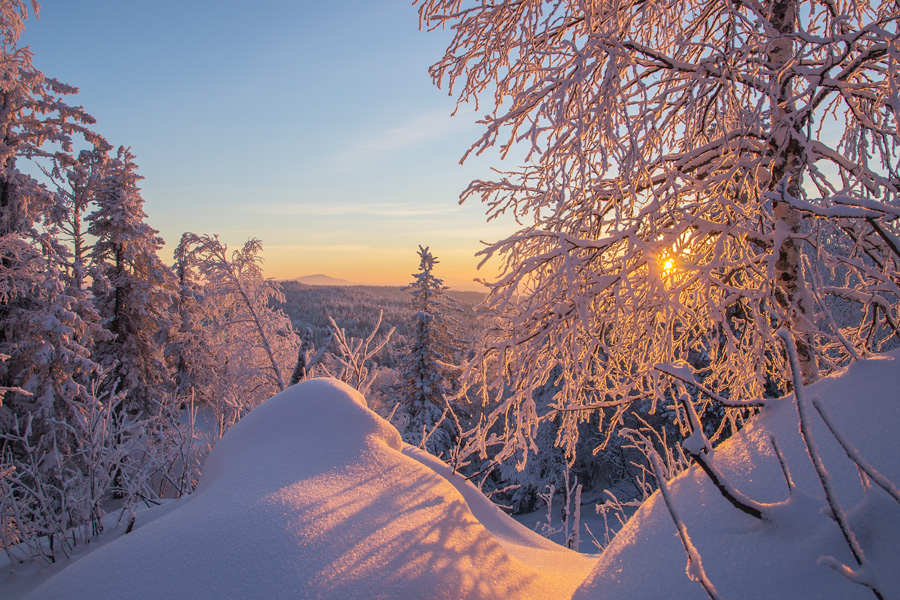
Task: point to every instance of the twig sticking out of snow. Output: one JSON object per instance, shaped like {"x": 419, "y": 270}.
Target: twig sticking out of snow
{"x": 866, "y": 573}
{"x": 618, "y": 508}
{"x": 784, "y": 468}
{"x": 547, "y": 529}
{"x": 694, "y": 569}
{"x": 572, "y": 513}
{"x": 355, "y": 355}
{"x": 699, "y": 448}
{"x": 879, "y": 479}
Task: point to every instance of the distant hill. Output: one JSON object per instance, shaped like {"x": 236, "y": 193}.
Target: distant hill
{"x": 320, "y": 279}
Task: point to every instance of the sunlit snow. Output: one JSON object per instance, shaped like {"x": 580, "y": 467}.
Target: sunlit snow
{"x": 314, "y": 496}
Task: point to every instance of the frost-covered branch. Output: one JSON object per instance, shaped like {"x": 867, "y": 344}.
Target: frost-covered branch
{"x": 253, "y": 343}
{"x": 355, "y": 355}
{"x": 665, "y": 201}
{"x": 866, "y": 575}
{"x": 699, "y": 448}
{"x": 880, "y": 480}
{"x": 694, "y": 568}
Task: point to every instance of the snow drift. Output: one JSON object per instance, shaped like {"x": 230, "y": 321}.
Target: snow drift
{"x": 312, "y": 495}
{"x": 749, "y": 559}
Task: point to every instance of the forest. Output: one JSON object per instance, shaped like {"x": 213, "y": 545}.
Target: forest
{"x": 691, "y": 338}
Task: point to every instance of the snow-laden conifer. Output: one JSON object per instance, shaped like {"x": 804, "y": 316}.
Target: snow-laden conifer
{"x": 428, "y": 379}
{"x": 133, "y": 290}
{"x": 47, "y": 326}
{"x": 56, "y": 457}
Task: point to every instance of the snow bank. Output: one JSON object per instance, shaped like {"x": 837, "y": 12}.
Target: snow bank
{"x": 749, "y": 559}
{"x": 314, "y": 496}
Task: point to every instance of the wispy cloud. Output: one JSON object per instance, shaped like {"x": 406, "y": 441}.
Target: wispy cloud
{"x": 335, "y": 210}
{"x": 316, "y": 247}
{"x": 417, "y": 130}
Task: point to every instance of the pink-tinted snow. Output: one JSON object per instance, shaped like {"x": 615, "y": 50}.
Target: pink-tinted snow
{"x": 747, "y": 559}
{"x": 312, "y": 496}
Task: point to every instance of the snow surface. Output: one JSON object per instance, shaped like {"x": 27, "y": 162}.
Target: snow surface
{"x": 749, "y": 559}
{"x": 312, "y": 495}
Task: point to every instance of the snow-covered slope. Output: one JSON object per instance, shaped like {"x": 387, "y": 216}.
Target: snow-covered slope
{"x": 314, "y": 496}
{"x": 749, "y": 559}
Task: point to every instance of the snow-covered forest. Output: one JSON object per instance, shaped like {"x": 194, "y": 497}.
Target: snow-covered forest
{"x": 685, "y": 367}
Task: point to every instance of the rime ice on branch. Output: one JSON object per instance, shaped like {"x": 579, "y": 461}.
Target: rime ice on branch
{"x": 686, "y": 191}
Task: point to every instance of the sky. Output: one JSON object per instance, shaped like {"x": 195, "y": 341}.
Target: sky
{"x": 313, "y": 126}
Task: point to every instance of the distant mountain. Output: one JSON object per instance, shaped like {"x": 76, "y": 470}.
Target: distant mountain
{"x": 320, "y": 279}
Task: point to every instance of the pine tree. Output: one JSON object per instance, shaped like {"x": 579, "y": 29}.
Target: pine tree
{"x": 46, "y": 325}
{"x": 133, "y": 290}
{"x": 428, "y": 377}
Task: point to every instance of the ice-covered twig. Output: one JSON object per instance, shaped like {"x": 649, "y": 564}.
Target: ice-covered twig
{"x": 355, "y": 355}
{"x": 699, "y": 448}
{"x": 889, "y": 238}
{"x": 879, "y": 479}
{"x": 694, "y": 569}
{"x": 812, "y": 450}
{"x": 683, "y": 373}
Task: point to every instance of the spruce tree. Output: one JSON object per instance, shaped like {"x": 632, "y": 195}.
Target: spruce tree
{"x": 133, "y": 290}
{"x": 46, "y": 325}
{"x": 428, "y": 373}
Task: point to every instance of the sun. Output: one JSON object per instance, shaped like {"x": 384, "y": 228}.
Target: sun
{"x": 668, "y": 264}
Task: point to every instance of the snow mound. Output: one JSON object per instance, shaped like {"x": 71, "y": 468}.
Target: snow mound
{"x": 749, "y": 559}
{"x": 312, "y": 495}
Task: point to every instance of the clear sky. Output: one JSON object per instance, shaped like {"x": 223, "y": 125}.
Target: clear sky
{"x": 312, "y": 125}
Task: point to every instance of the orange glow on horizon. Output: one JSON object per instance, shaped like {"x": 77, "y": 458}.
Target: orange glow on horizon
{"x": 371, "y": 266}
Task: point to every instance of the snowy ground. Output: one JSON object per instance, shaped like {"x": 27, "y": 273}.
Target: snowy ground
{"x": 748, "y": 558}
{"x": 313, "y": 495}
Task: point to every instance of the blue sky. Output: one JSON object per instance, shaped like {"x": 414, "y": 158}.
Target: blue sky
{"x": 313, "y": 126}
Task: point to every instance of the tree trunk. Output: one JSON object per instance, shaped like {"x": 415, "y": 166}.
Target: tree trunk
{"x": 791, "y": 290}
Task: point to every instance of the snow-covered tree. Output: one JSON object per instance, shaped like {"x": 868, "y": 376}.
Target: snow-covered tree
{"x": 78, "y": 181}
{"x": 45, "y": 324}
{"x": 428, "y": 374}
{"x": 48, "y": 325}
{"x": 196, "y": 366}
{"x": 133, "y": 290}
{"x": 254, "y": 345}
{"x": 698, "y": 175}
